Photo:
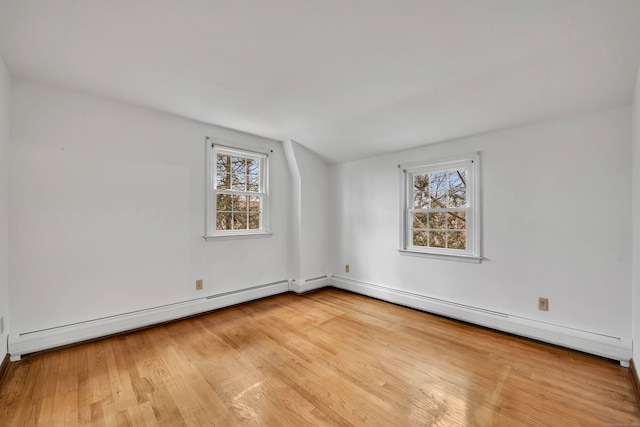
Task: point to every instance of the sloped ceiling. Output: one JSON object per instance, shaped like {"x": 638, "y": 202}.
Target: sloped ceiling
{"x": 346, "y": 78}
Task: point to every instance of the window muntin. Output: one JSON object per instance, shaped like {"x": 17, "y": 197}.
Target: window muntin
{"x": 440, "y": 209}
{"x": 237, "y": 192}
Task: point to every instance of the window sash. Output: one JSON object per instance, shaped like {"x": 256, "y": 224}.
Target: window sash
{"x": 236, "y": 154}
{"x": 445, "y": 229}
{"x": 246, "y": 211}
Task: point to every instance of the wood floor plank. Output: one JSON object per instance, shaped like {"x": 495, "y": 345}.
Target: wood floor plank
{"x": 325, "y": 358}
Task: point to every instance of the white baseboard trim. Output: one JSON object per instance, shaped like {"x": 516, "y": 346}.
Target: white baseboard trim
{"x": 615, "y": 348}
{"x": 31, "y": 342}
{"x": 308, "y": 285}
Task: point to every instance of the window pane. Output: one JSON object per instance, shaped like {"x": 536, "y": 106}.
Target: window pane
{"x": 438, "y": 190}
{"x": 239, "y": 203}
{"x": 238, "y": 173}
{"x": 253, "y": 183}
{"x": 438, "y": 199}
{"x": 457, "y": 240}
{"x": 253, "y": 166}
{"x": 421, "y": 200}
{"x": 420, "y": 238}
{"x": 223, "y": 180}
{"x": 239, "y": 220}
{"x": 254, "y": 221}
{"x": 420, "y": 220}
{"x": 223, "y": 221}
{"x": 437, "y": 219}
{"x": 437, "y": 239}
{"x": 223, "y": 202}
{"x": 457, "y": 220}
{"x": 458, "y": 198}
{"x": 238, "y": 184}
{"x": 457, "y": 178}
{"x": 438, "y": 182}
{"x": 420, "y": 183}
{"x": 458, "y": 188}
{"x": 223, "y": 163}
{"x": 223, "y": 168}
{"x": 254, "y": 204}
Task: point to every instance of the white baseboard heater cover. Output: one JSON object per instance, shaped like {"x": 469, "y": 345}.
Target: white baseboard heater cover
{"x": 611, "y": 347}
{"x": 590, "y": 342}
{"x": 30, "y": 342}
{"x": 307, "y": 285}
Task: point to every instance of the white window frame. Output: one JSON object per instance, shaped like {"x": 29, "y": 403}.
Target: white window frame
{"x": 470, "y": 161}
{"x": 213, "y": 147}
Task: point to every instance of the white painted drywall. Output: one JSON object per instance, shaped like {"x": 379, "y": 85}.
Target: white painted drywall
{"x": 311, "y": 205}
{"x": 107, "y": 210}
{"x": 5, "y": 90}
{"x": 295, "y": 244}
{"x": 556, "y": 224}
{"x": 635, "y": 123}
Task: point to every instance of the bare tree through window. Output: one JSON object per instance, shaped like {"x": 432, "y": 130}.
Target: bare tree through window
{"x": 239, "y": 198}
{"x": 439, "y": 211}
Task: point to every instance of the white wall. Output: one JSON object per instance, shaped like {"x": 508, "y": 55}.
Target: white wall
{"x": 5, "y": 88}
{"x": 311, "y": 200}
{"x": 636, "y": 221}
{"x": 556, "y": 221}
{"x": 107, "y": 211}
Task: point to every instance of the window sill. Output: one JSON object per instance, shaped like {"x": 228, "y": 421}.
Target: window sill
{"x": 449, "y": 257}
{"x": 237, "y": 236}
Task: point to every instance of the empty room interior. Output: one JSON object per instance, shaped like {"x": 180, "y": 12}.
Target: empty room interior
{"x": 305, "y": 212}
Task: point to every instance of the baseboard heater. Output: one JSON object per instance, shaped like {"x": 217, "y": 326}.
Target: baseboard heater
{"x": 47, "y": 338}
{"x": 608, "y": 346}
{"x": 612, "y": 347}
{"x": 311, "y": 284}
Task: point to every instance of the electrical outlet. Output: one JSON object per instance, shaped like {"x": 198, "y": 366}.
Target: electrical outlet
{"x": 199, "y": 284}
{"x": 1, "y": 325}
{"x": 543, "y": 304}
{"x": 346, "y": 268}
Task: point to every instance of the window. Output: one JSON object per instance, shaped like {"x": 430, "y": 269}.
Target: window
{"x": 441, "y": 208}
{"x": 237, "y": 192}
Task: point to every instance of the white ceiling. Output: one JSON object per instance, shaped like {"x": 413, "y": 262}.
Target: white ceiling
{"x": 346, "y": 78}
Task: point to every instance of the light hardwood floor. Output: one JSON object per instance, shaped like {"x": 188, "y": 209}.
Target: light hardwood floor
{"x": 326, "y": 358}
